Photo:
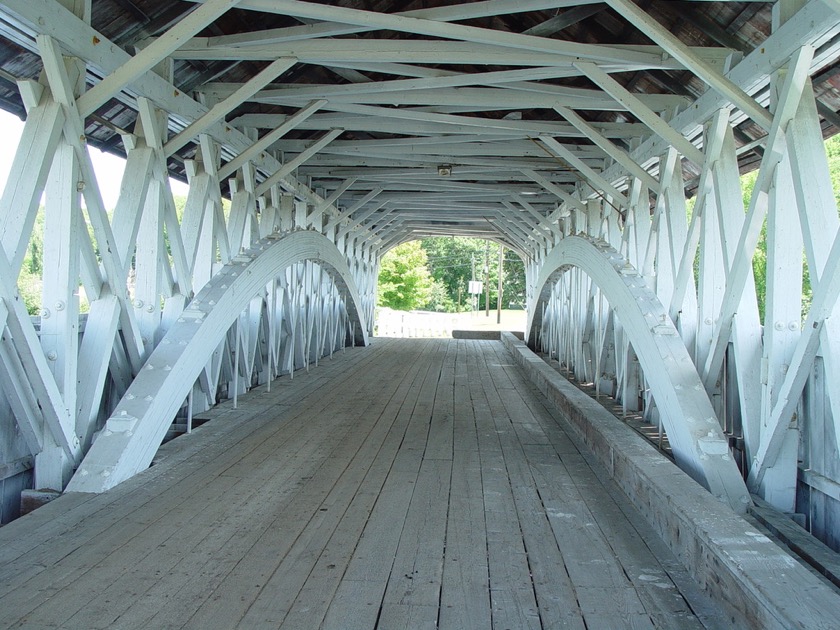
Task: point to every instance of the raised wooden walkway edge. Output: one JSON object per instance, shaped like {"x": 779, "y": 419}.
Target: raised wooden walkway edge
{"x": 760, "y": 584}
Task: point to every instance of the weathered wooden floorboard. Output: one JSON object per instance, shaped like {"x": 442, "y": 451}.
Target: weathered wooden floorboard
{"x": 439, "y": 445}
{"x": 514, "y": 602}
{"x": 41, "y": 525}
{"x": 465, "y": 596}
{"x": 358, "y": 599}
{"x": 224, "y": 582}
{"x": 414, "y": 583}
{"x": 120, "y": 526}
{"x": 319, "y": 556}
{"x": 313, "y": 600}
{"x": 413, "y": 484}
{"x": 659, "y": 581}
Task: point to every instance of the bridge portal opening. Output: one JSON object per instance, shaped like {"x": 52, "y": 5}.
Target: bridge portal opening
{"x": 433, "y": 286}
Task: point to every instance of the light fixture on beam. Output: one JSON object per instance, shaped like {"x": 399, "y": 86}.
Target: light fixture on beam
{"x": 444, "y": 170}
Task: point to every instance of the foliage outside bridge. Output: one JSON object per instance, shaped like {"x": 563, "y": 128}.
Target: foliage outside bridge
{"x": 433, "y": 274}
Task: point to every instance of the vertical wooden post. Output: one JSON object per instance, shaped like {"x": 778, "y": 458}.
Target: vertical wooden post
{"x": 499, "y": 293}
{"x": 487, "y": 279}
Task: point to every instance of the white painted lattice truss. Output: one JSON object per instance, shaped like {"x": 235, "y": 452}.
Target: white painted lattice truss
{"x": 185, "y": 310}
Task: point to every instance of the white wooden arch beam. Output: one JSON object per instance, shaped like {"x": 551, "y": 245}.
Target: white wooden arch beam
{"x": 134, "y": 431}
{"x": 700, "y": 447}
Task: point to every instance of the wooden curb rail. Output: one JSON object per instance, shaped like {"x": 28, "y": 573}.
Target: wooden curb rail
{"x": 759, "y": 585}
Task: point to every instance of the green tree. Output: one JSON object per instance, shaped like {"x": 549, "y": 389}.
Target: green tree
{"x": 404, "y": 279}
{"x": 451, "y": 262}
{"x": 439, "y": 299}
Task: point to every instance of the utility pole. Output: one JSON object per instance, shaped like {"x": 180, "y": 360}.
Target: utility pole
{"x": 473, "y": 296}
{"x": 487, "y": 279}
{"x": 499, "y": 293}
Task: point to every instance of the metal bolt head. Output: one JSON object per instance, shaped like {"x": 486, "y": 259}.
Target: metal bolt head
{"x": 52, "y": 356}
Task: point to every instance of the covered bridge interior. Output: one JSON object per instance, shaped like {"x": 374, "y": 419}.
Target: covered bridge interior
{"x": 602, "y": 142}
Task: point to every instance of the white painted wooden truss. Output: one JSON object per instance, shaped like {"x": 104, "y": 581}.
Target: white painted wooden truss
{"x": 140, "y": 421}
{"x": 596, "y": 210}
{"x": 692, "y": 426}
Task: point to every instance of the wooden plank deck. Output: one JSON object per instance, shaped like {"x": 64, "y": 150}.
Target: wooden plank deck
{"x": 413, "y": 484}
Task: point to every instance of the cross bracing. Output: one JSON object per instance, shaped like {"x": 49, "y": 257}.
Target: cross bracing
{"x": 569, "y": 132}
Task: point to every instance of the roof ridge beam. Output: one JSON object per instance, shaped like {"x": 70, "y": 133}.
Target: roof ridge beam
{"x": 451, "y": 80}
{"x": 477, "y": 98}
{"x": 355, "y": 53}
